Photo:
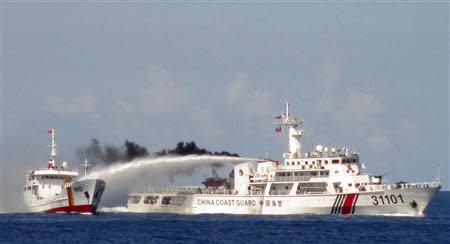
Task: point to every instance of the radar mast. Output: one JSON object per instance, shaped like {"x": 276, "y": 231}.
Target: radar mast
{"x": 294, "y": 134}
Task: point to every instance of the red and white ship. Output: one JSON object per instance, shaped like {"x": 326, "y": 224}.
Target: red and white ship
{"x": 57, "y": 190}
{"x": 323, "y": 181}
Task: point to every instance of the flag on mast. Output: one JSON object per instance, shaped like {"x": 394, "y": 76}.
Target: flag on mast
{"x": 278, "y": 117}
{"x": 50, "y": 131}
{"x": 278, "y": 129}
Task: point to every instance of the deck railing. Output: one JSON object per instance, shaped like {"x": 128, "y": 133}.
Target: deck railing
{"x": 297, "y": 178}
{"x": 203, "y": 190}
{"x": 402, "y": 185}
{"x": 187, "y": 190}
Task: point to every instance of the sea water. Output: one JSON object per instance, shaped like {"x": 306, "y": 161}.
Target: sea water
{"x": 116, "y": 225}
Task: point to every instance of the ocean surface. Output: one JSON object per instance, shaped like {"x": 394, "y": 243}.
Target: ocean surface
{"x": 116, "y": 226}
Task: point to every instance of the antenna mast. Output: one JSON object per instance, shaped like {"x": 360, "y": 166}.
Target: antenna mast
{"x": 85, "y": 166}
{"x": 287, "y": 110}
{"x": 53, "y": 148}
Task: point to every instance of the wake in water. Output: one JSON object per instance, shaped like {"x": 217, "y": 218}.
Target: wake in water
{"x": 146, "y": 163}
{"x": 119, "y": 209}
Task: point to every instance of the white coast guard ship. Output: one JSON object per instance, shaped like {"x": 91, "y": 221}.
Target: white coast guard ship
{"x": 324, "y": 181}
{"x": 55, "y": 189}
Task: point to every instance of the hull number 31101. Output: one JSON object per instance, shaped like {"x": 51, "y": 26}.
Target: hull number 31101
{"x": 387, "y": 199}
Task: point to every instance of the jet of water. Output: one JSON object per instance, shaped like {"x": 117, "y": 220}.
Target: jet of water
{"x": 144, "y": 163}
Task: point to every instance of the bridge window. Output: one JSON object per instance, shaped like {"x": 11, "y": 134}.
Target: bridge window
{"x": 335, "y": 161}
{"x": 166, "y": 200}
{"x": 307, "y": 188}
{"x": 134, "y": 199}
{"x": 151, "y": 199}
{"x": 280, "y": 189}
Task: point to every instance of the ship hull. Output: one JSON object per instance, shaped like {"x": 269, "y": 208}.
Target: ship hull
{"x": 82, "y": 196}
{"x": 402, "y": 202}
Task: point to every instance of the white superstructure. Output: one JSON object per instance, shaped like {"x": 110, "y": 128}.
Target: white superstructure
{"x": 324, "y": 181}
{"x": 55, "y": 189}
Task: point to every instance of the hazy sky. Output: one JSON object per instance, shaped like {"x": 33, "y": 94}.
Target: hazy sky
{"x": 370, "y": 76}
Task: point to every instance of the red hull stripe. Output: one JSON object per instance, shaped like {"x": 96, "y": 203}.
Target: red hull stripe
{"x": 348, "y": 203}
{"x": 354, "y": 204}
{"x": 72, "y": 209}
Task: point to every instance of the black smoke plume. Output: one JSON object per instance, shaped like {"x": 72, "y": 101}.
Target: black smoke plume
{"x": 109, "y": 154}
{"x": 189, "y": 148}
{"x": 134, "y": 151}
